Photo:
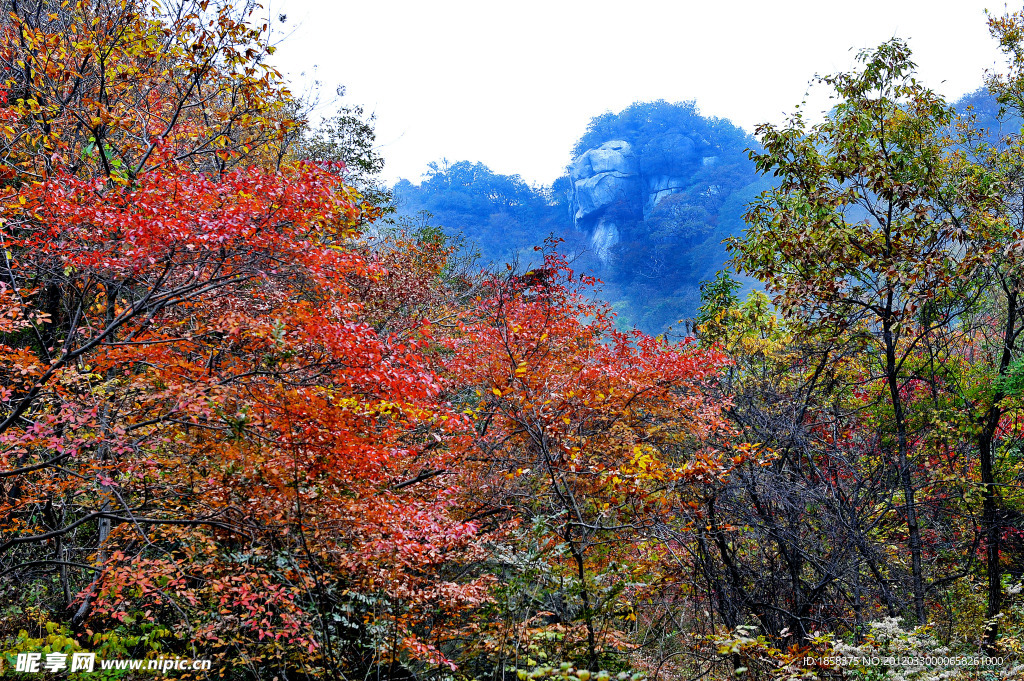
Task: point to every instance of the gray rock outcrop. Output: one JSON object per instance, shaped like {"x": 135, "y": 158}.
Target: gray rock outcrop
{"x": 611, "y": 187}
{"x": 605, "y": 188}
{"x": 604, "y": 177}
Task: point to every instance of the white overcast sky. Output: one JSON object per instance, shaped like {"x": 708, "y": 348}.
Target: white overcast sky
{"x": 513, "y": 84}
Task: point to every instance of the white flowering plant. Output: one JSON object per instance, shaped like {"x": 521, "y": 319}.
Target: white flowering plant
{"x": 888, "y": 652}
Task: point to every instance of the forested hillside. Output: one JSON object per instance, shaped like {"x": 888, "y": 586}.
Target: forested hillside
{"x": 651, "y": 222}
{"x": 500, "y": 216}
{"x": 649, "y": 219}
{"x": 252, "y": 427}
{"x": 657, "y": 188}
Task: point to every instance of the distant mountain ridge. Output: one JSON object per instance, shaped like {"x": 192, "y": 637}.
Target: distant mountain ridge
{"x": 649, "y": 196}
{"x": 647, "y": 187}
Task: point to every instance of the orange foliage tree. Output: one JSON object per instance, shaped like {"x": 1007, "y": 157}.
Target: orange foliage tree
{"x": 589, "y": 439}
{"x": 115, "y": 88}
{"x": 203, "y": 434}
{"x": 232, "y": 425}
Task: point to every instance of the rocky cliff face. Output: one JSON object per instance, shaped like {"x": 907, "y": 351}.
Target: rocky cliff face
{"x": 605, "y": 189}
{"x": 613, "y": 186}
{"x": 653, "y": 190}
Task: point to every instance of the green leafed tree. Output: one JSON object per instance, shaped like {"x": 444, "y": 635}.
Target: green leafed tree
{"x": 348, "y": 137}
{"x": 865, "y": 238}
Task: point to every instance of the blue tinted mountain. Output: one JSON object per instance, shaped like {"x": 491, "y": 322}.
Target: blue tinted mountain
{"x": 655, "y": 189}
{"x": 649, "y": 196}
{"x": 499, "y": 215}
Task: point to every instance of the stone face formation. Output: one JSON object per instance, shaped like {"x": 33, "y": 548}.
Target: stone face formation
{"x": 613, "y": 186}
{"x": 602, "y": 179}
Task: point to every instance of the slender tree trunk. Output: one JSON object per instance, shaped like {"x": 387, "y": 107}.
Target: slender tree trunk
{"x": 990, "y": 523}
{"x": 858, "y": 607}
{"x": 986, "y": 456}
{"x": 906, "y": 479}
{"x": 588, "y": 612}
{"x": 848, "y": 511}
